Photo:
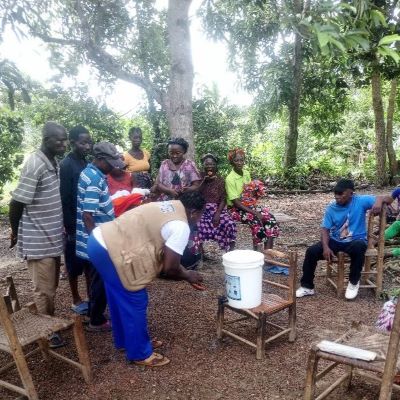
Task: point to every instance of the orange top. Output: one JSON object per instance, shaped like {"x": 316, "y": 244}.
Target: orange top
{"x": 135, "y": 165}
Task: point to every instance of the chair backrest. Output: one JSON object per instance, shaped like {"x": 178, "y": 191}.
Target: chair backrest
{"x": 11, "y": 297}
{"x": 291, "y": 264}
{"x": 378, "y": 222}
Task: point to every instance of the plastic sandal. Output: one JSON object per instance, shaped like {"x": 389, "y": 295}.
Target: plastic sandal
{"x": 81, "y": 308}
{"x": 155, "y": 360}
{"x": 106, "y": 327}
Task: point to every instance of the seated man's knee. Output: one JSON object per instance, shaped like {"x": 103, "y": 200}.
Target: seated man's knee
{"x": 314, "y": 250}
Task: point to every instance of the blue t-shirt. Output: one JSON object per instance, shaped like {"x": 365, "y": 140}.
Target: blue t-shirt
{"x": 396, "y": 195}
{"x": 93, "y": 197}
{"x": 347, "y": 223}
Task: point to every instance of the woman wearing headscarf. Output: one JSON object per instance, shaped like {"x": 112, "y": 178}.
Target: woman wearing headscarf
{"x": 242, "y": 194}
{"x": 216, "y": 223}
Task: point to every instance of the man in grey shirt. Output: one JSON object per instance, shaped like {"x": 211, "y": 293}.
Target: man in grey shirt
{"x": 36, "y": 216}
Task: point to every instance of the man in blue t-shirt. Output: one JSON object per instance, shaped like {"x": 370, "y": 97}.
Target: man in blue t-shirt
{"x": 343, "y": 229}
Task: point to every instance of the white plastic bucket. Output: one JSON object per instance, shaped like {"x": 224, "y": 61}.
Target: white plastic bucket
{"x": 243, "y": 277}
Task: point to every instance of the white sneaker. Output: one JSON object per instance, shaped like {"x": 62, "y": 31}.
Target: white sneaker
{"x": 352, "y": 291}
{"x": 302, "y": 291}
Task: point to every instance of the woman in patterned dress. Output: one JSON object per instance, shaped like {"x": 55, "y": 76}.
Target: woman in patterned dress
{"x": 216, "y": 223}
{"x": 176, "y": 176}
{"x": 242, "y": 194}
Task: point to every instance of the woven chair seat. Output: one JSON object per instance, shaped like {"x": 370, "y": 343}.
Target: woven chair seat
{"x": 31, "y": 327}
{"x": 371, "y": 339}
{"x": 270, "y": 303}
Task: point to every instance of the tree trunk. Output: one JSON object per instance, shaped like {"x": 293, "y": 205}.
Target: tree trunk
{"x": 389, "y": 129}
{"x": 380, "y": 142}
{"x": 178, "y": 101}
{"x": 292, "y": 134}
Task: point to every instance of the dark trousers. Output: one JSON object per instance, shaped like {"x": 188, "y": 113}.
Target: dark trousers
{"x": 97, "y": 298}
{"x": 355, "y": 249}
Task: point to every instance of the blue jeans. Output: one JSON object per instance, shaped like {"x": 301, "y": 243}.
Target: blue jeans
{"x": 355, "y": 249}
{"x": 128, "y": 309}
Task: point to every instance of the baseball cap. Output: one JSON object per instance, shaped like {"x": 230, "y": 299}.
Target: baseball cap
{"x": 342, "y": 185}
{"x": 107, "y": 151}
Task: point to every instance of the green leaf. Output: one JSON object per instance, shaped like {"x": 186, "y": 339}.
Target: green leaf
{"x": 378, "y": 18}
{"x": 338, "y": 44}
{"x": 388, "y": 52}
{"x": 389, "y": 39}
{"x": 323, "y": 39}
{"x": 361, "y": 41}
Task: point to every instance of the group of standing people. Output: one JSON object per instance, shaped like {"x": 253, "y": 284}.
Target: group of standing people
{"x": 70, "y": 208}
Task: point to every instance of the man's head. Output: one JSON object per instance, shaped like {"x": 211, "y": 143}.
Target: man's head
{"x": 80, "y": 140}
{"x": 54, "y": 139}
{"x": 194, "y": 206}
{"x": 107, "y": 157}
{"x": 343, "y": 190}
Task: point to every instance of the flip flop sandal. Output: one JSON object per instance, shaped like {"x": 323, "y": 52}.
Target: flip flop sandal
{"x": 81, "y": 308}
{"x": 157, "y": 343}
{"x": 155, "y": 360}
{"x": 106, "y": 327}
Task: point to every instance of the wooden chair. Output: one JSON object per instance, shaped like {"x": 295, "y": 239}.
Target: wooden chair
{"x": 383, "y": 370}
{"x": 271, "y": 304}
{"x": 335, "y": 271}
{"x": 26, "y": 326}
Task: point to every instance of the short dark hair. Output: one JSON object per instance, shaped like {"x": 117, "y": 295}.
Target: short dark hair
{"x": 74, "y": 133}
{"x": 180, "y": 142}
{"x": 50, "y": 127}
{"x": 211, "y": 156}
{"x": 192, "y": 200}
{"x": 134, "y": 130}
{"x": 343, "y": 184}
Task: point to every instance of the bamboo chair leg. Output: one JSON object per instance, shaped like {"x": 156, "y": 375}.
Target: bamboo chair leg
{"x": 328, "y": 271}
{"x": 25, "y": 375}
{"x": 82, "y": 349}
{"x": 367, "y": 269}
{"x": 260, "y": 354}
{"x": 292, "y": 322}
{"x": 220, "y": 317}
{"x": 312, "y": 367}
{"x": 379, "y": 277}
{"x": 340, "y": 275}
{"x": 44, "y": 348}
{"x": 349, "y": 370}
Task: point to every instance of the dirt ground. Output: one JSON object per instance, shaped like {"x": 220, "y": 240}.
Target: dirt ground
{"x": 203, "y": 368}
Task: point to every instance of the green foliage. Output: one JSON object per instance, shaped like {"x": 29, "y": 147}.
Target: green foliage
{"x": 71, "y": 109}
{"x": 11, "y": 136}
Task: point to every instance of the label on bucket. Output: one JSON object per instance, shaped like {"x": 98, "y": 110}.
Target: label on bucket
{"x": 233, "y": 287}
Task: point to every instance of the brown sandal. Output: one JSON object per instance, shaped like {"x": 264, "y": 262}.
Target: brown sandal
{"x": 155, "y": 360}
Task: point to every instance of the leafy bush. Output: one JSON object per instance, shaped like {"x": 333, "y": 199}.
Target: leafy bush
{"x": 11, "y": 136}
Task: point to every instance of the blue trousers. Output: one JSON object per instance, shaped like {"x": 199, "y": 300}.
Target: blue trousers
{"x": 128, "y": 309}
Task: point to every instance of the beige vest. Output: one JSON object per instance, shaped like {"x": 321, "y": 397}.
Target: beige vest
{"x": 135, "y": 244}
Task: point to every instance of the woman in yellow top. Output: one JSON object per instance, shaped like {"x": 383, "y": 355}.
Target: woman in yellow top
{"x": 137, "y": 160}
{"x": 242, "y": 194}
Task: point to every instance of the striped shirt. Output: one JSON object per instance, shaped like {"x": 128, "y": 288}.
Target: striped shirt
{"x": 41, "y": 226}
{"x": 94, "y": 198}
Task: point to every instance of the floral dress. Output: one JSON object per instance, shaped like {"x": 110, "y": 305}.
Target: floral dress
{"x": 250, "y": 193}
{"x": 224, "y": 234}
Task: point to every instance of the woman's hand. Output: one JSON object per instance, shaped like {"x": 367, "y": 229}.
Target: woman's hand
{"x": 193, "y": 277}
{"x": 216, "y": 218}
{"x": 258, "y": 215}
{"x": 173, "y": 193}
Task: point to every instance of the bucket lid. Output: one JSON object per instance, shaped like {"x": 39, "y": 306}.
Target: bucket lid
{"x": 243, "y": 258}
